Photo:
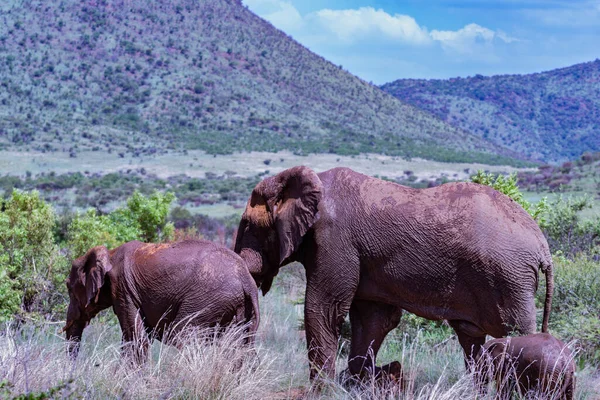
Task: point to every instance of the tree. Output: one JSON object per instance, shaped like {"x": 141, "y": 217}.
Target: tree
{"x": 143, "y": 218}
{"x": 30, "y": 263}
{"x": 151, "y": 213}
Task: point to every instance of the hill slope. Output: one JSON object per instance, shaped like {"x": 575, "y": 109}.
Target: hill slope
{"x": 141, "y": 76}
{"x": 549, "y": 116}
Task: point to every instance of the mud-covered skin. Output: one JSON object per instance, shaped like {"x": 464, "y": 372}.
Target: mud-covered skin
{"x": 538, "y": 361}
{"x": 155, "y": 286}
{"x": 461, "y": 252}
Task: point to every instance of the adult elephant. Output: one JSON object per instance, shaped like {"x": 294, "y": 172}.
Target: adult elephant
{"x": 462, "y": 252}
{"x": 152, "y": 287}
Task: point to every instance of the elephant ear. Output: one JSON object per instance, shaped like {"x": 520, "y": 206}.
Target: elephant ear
{"x": 97, "y": 264}
{"x": 295, "y": 208}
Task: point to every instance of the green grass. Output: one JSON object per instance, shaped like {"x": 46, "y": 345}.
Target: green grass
{"x": 576, "y": 305}
{"x": 33, "y": 361}
{"x": 214, "y": 185}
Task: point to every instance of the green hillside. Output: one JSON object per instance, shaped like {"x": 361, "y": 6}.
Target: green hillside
{"x": 146, "y": 76}
{"x": 549, "y": 116}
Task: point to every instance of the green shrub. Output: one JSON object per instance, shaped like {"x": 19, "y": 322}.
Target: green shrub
{"x": 566, "y": 231}
{"x": 90, "y": 229}
{"x": 151, "y": 213}
{"x": 32, "y": 267}
{"x": 143, "y": 218}
{"x": 30, "y": 264}
{"x": 576, "y": 303}
{"x": 10, "y": 295}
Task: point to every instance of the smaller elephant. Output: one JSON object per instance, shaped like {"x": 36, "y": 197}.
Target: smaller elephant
{"x": 391, "y": 373}
{"x": 536, "y": 362}
{"x": 157, "y": 289}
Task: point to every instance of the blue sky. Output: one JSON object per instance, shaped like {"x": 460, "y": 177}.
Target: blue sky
{"x": 384, "y": 40}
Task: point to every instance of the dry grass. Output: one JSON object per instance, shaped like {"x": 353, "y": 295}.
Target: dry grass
{"x": 36, "y": 362}
{"x": 196, "y": 163}
{"x": 33, "y": 360}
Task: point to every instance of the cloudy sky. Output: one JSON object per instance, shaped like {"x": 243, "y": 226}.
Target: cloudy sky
{"x": 384, "y": 40}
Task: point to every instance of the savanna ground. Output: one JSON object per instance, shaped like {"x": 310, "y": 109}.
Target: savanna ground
{"x": 103, "y": 180}
{"x": 196, "y": 163}
{"x": 33, "y": 360}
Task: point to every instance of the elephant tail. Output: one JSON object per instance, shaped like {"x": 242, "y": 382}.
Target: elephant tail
{"x": 547, "y": 269}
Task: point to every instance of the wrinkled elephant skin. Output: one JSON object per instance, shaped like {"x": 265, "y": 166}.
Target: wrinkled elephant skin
{"x": 462, "y": 252}
{"x": 152, "y": 287}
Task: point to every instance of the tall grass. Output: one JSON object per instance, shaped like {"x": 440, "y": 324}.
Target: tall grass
{"x": 33, "y": 361}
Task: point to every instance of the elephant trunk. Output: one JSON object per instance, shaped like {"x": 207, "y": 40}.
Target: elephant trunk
{"x": 74, "y": 330}
{"x": 548, "y": 270}
{"x": 254, "y": 262}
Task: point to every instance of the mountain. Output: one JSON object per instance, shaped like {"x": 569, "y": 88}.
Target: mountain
{"x": 148, "y": 76}
{"x": 549, "y": 116}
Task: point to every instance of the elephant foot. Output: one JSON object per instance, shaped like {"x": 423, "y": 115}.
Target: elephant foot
{"x": 386, "y": 375}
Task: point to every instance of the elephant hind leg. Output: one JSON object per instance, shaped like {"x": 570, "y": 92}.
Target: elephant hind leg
{"x": 470, "y": 337}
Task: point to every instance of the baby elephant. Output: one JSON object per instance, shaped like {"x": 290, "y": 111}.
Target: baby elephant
{"x": 538, "y": 361}
{"x": 152, "y": 287}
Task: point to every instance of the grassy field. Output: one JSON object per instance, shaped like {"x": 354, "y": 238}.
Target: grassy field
{"x": 213, "y": 185}
{"x": 167, "y": 171}
{"x": 33, "y": 361}
{"x": 196, "y": 163}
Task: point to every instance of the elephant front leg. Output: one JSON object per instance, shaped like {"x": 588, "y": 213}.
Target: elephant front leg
{"x": 371, "y": 322}
{"x": 135, "y": 339}
{"x": 323, "y": 319}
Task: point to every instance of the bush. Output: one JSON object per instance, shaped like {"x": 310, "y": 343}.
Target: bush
{"x": 33, "y": 268}
{"x": 90, "y": 229}
{"x": 565, "y": 230}
{"x": 150, "y": 213}
{"x": 576, "y": 303}
{"x": 30, "y": 264}
{"x": 144, "y": 218}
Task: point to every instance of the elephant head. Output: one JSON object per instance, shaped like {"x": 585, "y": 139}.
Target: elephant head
{"x": 280, "y": 212}
{"x": 87, "y": 297}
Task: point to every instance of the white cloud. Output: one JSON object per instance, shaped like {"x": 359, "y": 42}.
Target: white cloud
{"x": 466, "y": 40}
{"x": 349, "y": 25}
{"x": 281, "y": 13}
